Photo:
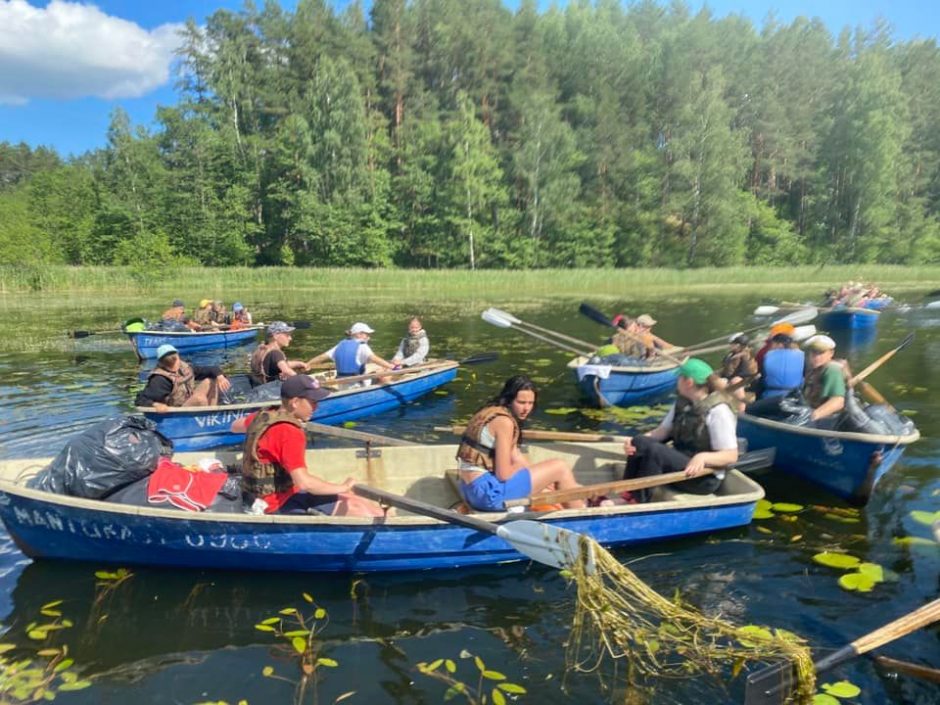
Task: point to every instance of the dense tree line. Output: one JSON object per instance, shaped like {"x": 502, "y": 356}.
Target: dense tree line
{"x": 456, "y": 133}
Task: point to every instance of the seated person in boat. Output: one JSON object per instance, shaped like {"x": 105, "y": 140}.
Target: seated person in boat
{"x": 176, "y": 312}
{"x": 633, "y": 347}
{"x": 268, "y": 361}
{"x": 782, "y": 368}
{"x": 737, "y": 368}
{"x": 824, "y": 385}
{"x": 703, "y": 429}
{"x": 174, "y": 382}
{"x": 274, "y": 465}
{"x": 645, "y": 323}
{"x": 219, "y": 314}
{"x": 492, "y": 468}
{"x": 204, "y": 315}
{"x": 241, "y": 317}
{"x": 414, "y": 347}
{"x": 353, "y": 354}
{"x": 787, "y": 329}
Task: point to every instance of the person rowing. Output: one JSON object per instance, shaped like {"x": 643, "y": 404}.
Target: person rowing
{"x": 492, "y": 468}
{"x": 352, "y": 355}
{"x": 268, "y": 361}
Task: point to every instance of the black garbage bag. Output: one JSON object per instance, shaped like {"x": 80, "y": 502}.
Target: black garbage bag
{"x": 893, "y": 423}
{"x": 265, "y": 392}
{"x": 104, "y": 458}
{"x": 794, "y": 409}
{"x": 169, "y": 325}
{"x": 227, "y": 501}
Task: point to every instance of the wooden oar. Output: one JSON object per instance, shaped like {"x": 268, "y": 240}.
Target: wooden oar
{"x": 774, "y": 685}
{"x": 492, "y": 317}
{"x": 512, "y": 319}
{"x": 542, "y": 542}
{"x": 534, "y": 435}
{"x": 796, "y": 318}
{"x": 340, "y": 432}
{"x": 755, "y": 460}
{"x": 910, "y": 669}
{"x": 867, "y": 389}
{"x": 423, "y": 367}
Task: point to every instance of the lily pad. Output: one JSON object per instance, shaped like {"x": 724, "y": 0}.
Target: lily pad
{"x": 842, "y": 689}
{"x": 786, "y": 507}
{"x": 912, "y": 541}
{"x": 760, "y": 513}
{"x": 873, "y": 571}
{"x": 836, "y": 560}
{"x": 561, "y": 410}
{"x": 856, "y": 581}
{"x": 925, "y": 518}
{"x": 751, "y": 635}
{"x": 823, "y": 699}
{"x": 350, "y": 424}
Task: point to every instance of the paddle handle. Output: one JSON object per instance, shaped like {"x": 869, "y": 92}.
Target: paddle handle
{"x": 533, "y": 435}
{"x": 417, "y": 507}
{"x": 902, "y": 626}
{"x": 561, "y": 336}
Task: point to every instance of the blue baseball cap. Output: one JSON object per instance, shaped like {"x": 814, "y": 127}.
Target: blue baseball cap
{"x": 164, "y": 350}
{"x": 237, "y": 306}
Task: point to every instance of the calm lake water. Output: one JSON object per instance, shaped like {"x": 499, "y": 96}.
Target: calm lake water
{"x": 188, "y": 636}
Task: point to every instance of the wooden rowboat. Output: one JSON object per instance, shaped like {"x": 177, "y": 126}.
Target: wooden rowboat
{"x": 608, "y": 385}
{"x": 146, "y": 342}
{"x": 200, "y": 427}
{"x": 845, "y": 463}
{"x": 46, "y": 525}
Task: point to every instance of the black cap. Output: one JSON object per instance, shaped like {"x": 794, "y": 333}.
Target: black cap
{"x": 303, "y": 386}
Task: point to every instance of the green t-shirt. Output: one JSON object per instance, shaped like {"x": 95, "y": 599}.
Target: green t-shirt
{"x": 832, "y": 382}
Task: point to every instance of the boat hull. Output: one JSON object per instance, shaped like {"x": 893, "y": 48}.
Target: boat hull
{"x": 623, "y": 386}
{"x": 849, "y": 318}
{"x": 52, "y": 526}
{"x": 847, "y": 464}
{"x": 145, "y": 343}
{"x": 200, "y": 428}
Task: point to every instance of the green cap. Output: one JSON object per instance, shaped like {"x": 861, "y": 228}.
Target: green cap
{"x": 695, "y": 369}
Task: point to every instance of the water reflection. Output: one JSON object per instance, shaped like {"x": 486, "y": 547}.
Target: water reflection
{"x": 187, "y": 636}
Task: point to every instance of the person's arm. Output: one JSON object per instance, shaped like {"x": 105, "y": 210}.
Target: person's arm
{"x": 365, "y": 354}
{"x": 424, "y": 347}
{"x": 508, "y": 460}
{"x": 381, "y": 362}
{"x": 832, "y": 405}
{"x": 155, "y": 393}
{"x": 662, "y": 432}
{"x": 322, "y": 357}
{"x": 241, "y": 425}
{"x": 305, "y": 482}
{"x": 833, "y": 391}
{"x": 287, "y": 369}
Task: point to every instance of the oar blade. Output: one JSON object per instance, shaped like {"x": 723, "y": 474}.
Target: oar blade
{"x": 76, "y": 334}
{"x": 479, "y": 358}
{"x": 766, "y": 310}
{"x": 546, "y": 543}
{"x": 505, "y": 314}
{"x": 491, "y": 316}
{"x": 800, "y": 316}
{"x": 586, "y": 309}
{"x": 801, "y": 333}
{"x": 771, "y": 685}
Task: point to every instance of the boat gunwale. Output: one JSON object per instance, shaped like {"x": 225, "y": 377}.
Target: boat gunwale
{"x": 848, "y": 309}
{"x": 191, "y": 333}
{"x": 191, "y": 410}
{"x": 874, "y": 438}
{"x": 666, "y": 366}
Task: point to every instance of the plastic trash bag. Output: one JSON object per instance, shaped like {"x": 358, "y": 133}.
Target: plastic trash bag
{"x": 104, "y": 458}
{"x": 265, "y": 392}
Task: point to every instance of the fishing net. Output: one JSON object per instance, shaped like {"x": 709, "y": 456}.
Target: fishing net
{"x": 618, "y": 616}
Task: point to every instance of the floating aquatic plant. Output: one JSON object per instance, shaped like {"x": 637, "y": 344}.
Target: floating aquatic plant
{"x": 491, "y": 686}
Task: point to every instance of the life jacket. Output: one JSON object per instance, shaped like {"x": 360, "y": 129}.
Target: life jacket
{"x": 411, "y": 343}
{"x": 471, "y": 448}
{"x": 812, "y": 383}
{"x": 260, "y": 478}
{"x": 345, "y": 358}
{"x": 783, "y": 371}
{"x": 631, "y": 344}
{"x": 689, "y": 427}
{"x": 183, "y": 383}
{"x": 174, "y": 314}
{"x": 257, "y": 373}
{"x": 202, "y": 316}
{"x": 740, "y": 364}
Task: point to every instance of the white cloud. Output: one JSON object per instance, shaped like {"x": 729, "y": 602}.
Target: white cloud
{"x": 70, "y": 50}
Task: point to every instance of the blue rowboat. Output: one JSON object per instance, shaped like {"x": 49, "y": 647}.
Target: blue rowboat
{"x": 200, "y": 427}
{"x": 850, "y": 317}
{"x": 146, "y": 342}
{"x": 53, "y": 526}
{"x": 845, "y": 463}
{"x": 607, "y": 385}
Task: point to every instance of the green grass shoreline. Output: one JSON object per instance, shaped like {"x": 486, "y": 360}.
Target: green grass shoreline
{"x": 457, "y": 283}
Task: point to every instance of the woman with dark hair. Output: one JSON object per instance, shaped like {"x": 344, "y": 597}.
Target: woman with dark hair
{"x": 492, "y": 468}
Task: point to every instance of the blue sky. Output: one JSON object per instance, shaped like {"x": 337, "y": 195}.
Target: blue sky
{"x": 66, "y": 64}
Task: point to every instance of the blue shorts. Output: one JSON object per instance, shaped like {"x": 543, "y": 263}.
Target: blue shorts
{"x": 488, "y": 493}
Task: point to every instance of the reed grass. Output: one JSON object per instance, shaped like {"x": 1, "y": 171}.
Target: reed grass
{"x": 454, "y": 283}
